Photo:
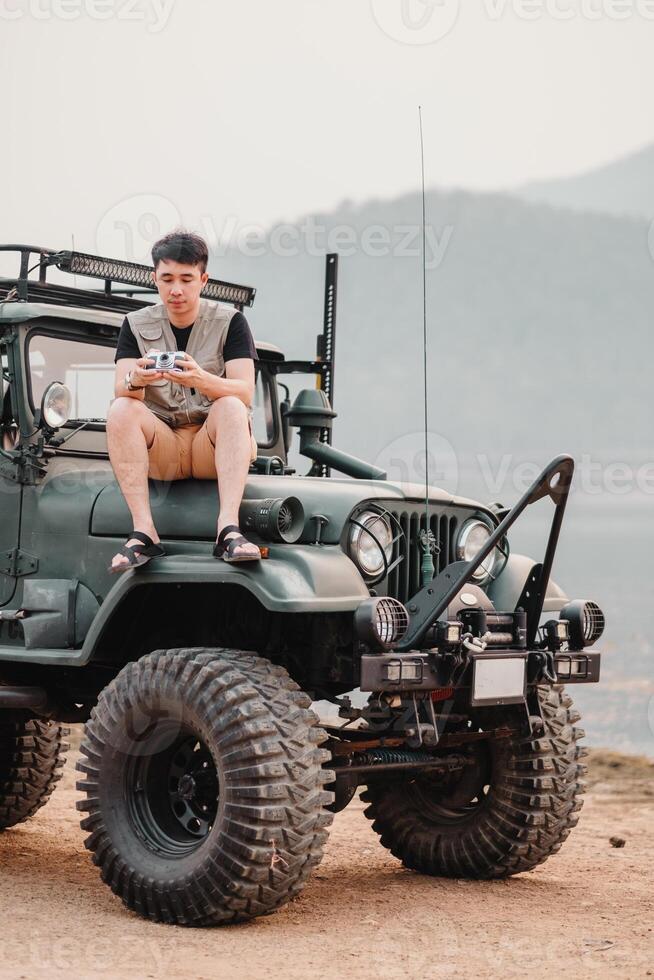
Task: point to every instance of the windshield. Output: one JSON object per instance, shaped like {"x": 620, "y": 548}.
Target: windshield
{"x": 88, "y": 369}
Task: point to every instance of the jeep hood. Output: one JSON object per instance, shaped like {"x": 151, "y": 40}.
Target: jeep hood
{"x": 187, "y": 509}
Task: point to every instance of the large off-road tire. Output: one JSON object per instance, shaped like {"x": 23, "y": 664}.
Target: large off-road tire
{"x": 204, "y": 786}
{"x": 528, "y": 804}
{"x": 32, "y": 754}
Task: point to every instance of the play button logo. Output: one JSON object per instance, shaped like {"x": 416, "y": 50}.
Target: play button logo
{"x": 415, "y": 21}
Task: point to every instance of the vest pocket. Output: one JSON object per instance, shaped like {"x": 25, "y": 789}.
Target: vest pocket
{"x": 152, "y": 332}
{"x": 152, "y": 342}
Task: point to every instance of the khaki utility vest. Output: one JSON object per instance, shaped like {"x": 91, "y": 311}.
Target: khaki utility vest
{"x": 173, "y": 403}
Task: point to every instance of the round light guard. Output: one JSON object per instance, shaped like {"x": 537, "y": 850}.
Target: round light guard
{"x": 472, "y": 537}
{"x": 371, "y": 542}
{"x": 586, "y": 622}
{"x": 381, "y": 621}
{"x": 56, "y": 405}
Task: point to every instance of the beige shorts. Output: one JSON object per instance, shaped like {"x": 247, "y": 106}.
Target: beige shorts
{"x": 184, "y": 452}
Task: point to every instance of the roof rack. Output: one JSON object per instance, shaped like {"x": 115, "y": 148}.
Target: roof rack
{"x": 111, "y": 271}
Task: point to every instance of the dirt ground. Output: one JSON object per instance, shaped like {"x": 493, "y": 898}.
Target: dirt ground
{"x": 589, "y": 910}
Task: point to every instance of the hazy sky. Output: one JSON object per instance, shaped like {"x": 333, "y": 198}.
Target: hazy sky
{"x": 253, "y": 110}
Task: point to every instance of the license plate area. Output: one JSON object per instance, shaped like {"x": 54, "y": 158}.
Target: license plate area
{"x": 498, "y": 679}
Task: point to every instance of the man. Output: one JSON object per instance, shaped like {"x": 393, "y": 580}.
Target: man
{"x": 192, "y": 422}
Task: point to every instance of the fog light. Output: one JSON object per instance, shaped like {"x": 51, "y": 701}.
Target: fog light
{"x": 392, "y": 672}
{"x": 445, "y": 636}
{"x": 381, "y": 621}
{"x": 556, "y": 632}
{"x": 585, "y": 622}
{"x": 403, "y": 671}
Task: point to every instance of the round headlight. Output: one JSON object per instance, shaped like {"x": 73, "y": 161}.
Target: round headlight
{"x": 472, "y": 538}
{"x": 56, "y": 405}
{"x": 370, "y": 540}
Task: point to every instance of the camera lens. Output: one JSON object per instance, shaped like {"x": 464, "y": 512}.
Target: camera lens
{"x": 165, "y": 360}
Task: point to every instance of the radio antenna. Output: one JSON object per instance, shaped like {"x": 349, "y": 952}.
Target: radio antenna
{"x": 427, "y": 540}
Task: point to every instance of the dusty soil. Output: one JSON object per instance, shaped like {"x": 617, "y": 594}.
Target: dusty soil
{"x": 589, "y": 910}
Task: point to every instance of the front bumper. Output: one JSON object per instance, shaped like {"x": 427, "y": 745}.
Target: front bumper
{"x": 423, "y": 670}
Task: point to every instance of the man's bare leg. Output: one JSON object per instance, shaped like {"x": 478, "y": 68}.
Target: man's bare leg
{"x": 229, "y": 431}
{"x": 130, "y": 430}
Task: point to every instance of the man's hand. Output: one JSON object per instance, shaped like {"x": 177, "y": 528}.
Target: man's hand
{"x": 239, "y": 381}
{"x": 190, "y": 375}
{"x": 141, "y": 378}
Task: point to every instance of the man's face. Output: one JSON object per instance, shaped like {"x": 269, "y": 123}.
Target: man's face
{"x": 179, "y": 286}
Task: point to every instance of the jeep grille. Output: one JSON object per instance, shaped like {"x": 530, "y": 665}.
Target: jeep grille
{"x": 404, "y": 580}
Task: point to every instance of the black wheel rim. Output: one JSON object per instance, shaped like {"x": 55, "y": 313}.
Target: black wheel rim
{"x": 172, "y": 789}
{"x": 459, "y": 799}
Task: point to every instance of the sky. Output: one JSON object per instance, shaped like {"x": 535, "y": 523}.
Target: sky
{"x": 123, "y": 116}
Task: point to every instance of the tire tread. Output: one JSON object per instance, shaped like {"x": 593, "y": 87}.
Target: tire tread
{"x": 32, "y": 756}
{"x": 275, "y": 825}
{"x": 533, "y": 805}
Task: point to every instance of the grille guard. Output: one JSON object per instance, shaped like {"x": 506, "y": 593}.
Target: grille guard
{"x": 432, "y": 600}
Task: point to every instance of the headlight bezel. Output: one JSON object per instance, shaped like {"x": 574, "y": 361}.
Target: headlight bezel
{"x": 54, "y": 417}
{"x": 364, "y": 532}
{"x": 485, "y": 570}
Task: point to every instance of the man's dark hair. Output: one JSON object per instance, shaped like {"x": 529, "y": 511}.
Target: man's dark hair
{"x": 181, "y": 246}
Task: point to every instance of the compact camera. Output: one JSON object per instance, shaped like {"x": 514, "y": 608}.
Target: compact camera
{"x": 165, "y": 360}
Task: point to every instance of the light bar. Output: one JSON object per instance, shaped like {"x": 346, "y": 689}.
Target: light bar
{"x": 133, "y": 274}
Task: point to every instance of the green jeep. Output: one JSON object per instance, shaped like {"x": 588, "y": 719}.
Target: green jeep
{"x": 208, "y": 781}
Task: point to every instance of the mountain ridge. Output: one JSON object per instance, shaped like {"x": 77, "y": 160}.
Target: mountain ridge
{"x": 539, "y": 324}
{"x": 622, "y": 187}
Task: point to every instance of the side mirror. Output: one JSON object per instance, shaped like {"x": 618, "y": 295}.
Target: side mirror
{"x": 56, "y": 407}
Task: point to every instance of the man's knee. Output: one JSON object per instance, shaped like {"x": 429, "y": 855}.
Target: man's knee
{"x": 229, "y": 405}
{"x": 129, "y": 415}
{"x": 126, "y": 411}
{"x": 228, "y": 410}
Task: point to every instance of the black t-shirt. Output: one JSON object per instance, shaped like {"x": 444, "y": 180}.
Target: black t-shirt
{"x": 238, "y": 342}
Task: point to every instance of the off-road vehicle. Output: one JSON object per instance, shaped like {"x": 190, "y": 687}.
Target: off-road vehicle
{"x": 208, "y": 780}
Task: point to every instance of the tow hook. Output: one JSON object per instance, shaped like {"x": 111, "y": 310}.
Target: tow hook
{"x": 542, "y": 668}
